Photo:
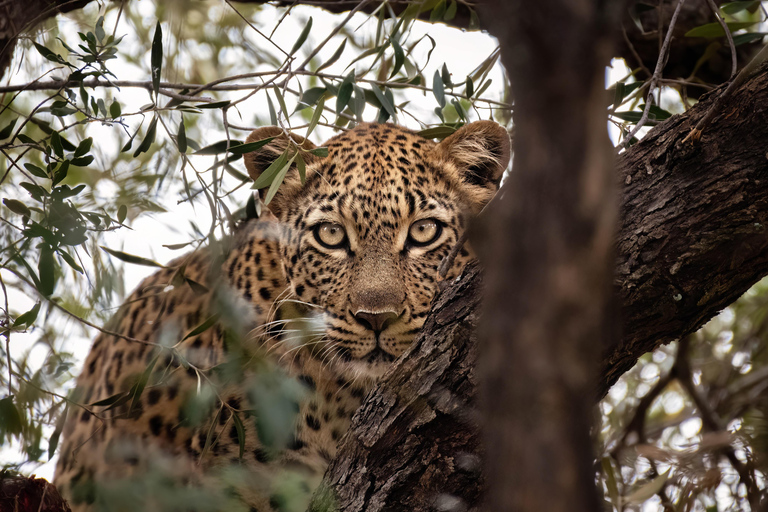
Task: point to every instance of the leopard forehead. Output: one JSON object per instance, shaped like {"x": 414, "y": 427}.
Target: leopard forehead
{"x": 374, "y": 176}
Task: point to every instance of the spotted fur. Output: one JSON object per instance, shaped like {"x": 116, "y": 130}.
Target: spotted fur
{"x": 330, "y": 285}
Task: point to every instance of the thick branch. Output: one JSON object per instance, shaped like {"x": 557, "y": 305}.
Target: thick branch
{"x": 692, "y": 239}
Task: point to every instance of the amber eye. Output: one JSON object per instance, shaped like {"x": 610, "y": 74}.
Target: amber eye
{"x": 330, "y": 235}
{"x": 424, "y": 232}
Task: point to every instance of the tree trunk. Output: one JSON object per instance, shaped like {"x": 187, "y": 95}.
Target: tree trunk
{"x": 691, "y": 240}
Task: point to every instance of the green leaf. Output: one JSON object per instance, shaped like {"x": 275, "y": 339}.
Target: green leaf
{"x": 450, "y": 12}
{"x": 46, "y": 269}
{"x": 358, "y": 105}
{"x": 316, "y": 116}
{"x": 157, "y": 58}
{"x": 302, "y": 37}
{"x": 715, "y": 30}
{"x": 438, "y": 132}
{"x": 270, "y": 172}
{"x": 111, "y": 399}
{"x": 84, "y": 147}
{"x": 99, "y": 29}
{"x": 53, "y": 442}
{"x": 82, "y": 161}
{"x": 130, "y": 258}
{"x": 36, "y": 191}
{"x": 8, "y": 129}
{"x": 29, "y": 317}
{"x": 386, "y": 104}
{"x": 280, "y": 100}
{"x": 207, "y": 324}
{"x": 181, "y": 137}
{"x": 215, "y": 104}
{"x": 334, "y": 57}
{"x": 736, "y": 7}
{"x": 218, "y": 147}
{"x": 56, "y": 144}
{"x": 470, "y": 87}
{"x": 251, "y": 146}
{"x": 61, "y": 172}
{"x": 321, "y": 152}
{"x": 345, "y": 92}
{"x": 272, "y": 113}
{"x": 149, "y": 138}
{"x": 399, "y": 57}
{"x": 70, "y": 261}
{"x": 647, "y": 490}
{"x": 10, "y": 419}
{"x": 445, "y": 75}
{"x": 748, "y": 37}
{"x": 302, "y": 167}
{"x": 438, "y": 90}
{"x": 474, "y": 21}
{"x": 17, "y": 207}
{"x": 310, "y": 97}
{"x": 114, "y": 110}
{"x": 438, "y": 12}
{"x": 48, "y": 54}
{"x": 275, "y": 185}
{"x": 122, "y": 212}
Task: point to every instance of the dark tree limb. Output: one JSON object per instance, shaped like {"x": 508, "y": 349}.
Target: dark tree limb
{"x": 692, "y": 239}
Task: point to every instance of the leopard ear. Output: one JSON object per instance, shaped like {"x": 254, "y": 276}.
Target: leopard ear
{"x": 479, "y": 153}
{"x": 258, "y": 161}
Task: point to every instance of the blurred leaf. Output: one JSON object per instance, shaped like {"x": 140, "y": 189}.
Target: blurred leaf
{"x": 70, "y": 261}
{"x": 438, "y": 90}
{"x": 438, "y": 132}
{"x": 266, "y": 177}
{"x": 715, "y": 30}
{"x": 207, "y": 324}
{"x": 149, "y": 138}
{"x": 450, "y": 12}
{"x": 114, "y": 110}
{"x": 17, "y": 207}
{"x": 142, "y": 383}
{"x": 8, "y": 129}
{"x": 122, "y": 212}
{"x": 321, "y": 152}
{"x": 215, "y": 104}
{"x": 157, "y": 59}
{"x": 250, "y": 146}
{"x": 240, "y": 432}
{"x": 272, "y": 112}
{"x": 84, "y": 147}
{"x": 399, "y": 57}
{"x": 56, "y": 144}
{"x": 273, "y": 187}
{"x": 438, "y": 12}
{"x": 310, "y": 97}
{"x": 345, "y": 92}
{"x": 130, "y": 258}
{"x": 748, "y": 37}
{"x": 181, "y": 137}
{"x": 334, "y": 57}
{"x": 386, "y": 103}
{"x": 302, "y": 37}
{"x": 302, "y": 167}
{"x": 53, "y": 442}
{"x": 316, "y": 116}
{"x": 46, "y": 269}
{"x": 10, "y": 419}
{"x": 736, "y": 7}
{"x": 29, "y": 317}
{"x": 648, "y": 489}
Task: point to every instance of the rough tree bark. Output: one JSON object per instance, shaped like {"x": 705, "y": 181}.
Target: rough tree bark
{"x": 691, "y": 240}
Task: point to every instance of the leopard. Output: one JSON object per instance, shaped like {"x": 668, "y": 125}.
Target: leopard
{"x": 244, "y": 362}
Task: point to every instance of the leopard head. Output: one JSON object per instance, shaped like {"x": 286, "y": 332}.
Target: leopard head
{"x": 365, "y": 233}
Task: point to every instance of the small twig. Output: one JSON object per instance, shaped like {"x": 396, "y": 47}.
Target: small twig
{"x": 713, "y": 7}
{"x": 655, "y": 77}
{"x": 745, "y": 73}
{"x": 634, "y": 51}
{"x": 7, "y": 336}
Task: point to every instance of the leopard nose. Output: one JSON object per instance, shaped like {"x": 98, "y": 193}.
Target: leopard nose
{"x": 376, "y": 322}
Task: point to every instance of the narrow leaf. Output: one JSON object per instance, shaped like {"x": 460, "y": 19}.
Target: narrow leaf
{"x": 56, "y": 144}
{"x": 17, "y": 207}
{"x": 71, "y": 261}
{"x": 157, "y": 58}
{"x": 29, "y": 317}
{"x": 302, "y": 167}
{"x": 149, "y": 138}
{"x": 715, "y": 30}
{"x": 122, "y": 212}
{"x": 251, "y": 146}
{"x": 302, "y": 37}
{"x": 386, "y": 104}
{"x": 240, "y": 432}
{"x": 399, "y": 57}
{"x": 8, "y": 129}
{"x": 278, "y": 181}
{"x": 316, "y": 116}
{"x": 438, "y": 90}
{"x": 272, "y": 113}
{"x": 207, "y": 324}
{"x": 130, "y": 258}
{"x": 270, "y": 172}
{"x": 46, "y": 268}
{"x": 334, "y": 57}
{"x": 181, "y": 137}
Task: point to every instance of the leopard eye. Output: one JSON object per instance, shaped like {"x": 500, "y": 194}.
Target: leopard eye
{"x": 330, "y": 235}
{"x": 424, "y": 232}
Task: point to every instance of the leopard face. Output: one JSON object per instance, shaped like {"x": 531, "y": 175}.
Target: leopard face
{"x": 363, "y": 238}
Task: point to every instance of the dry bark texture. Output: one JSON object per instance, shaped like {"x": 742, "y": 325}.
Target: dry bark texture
{"x": 694, "y": 232}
